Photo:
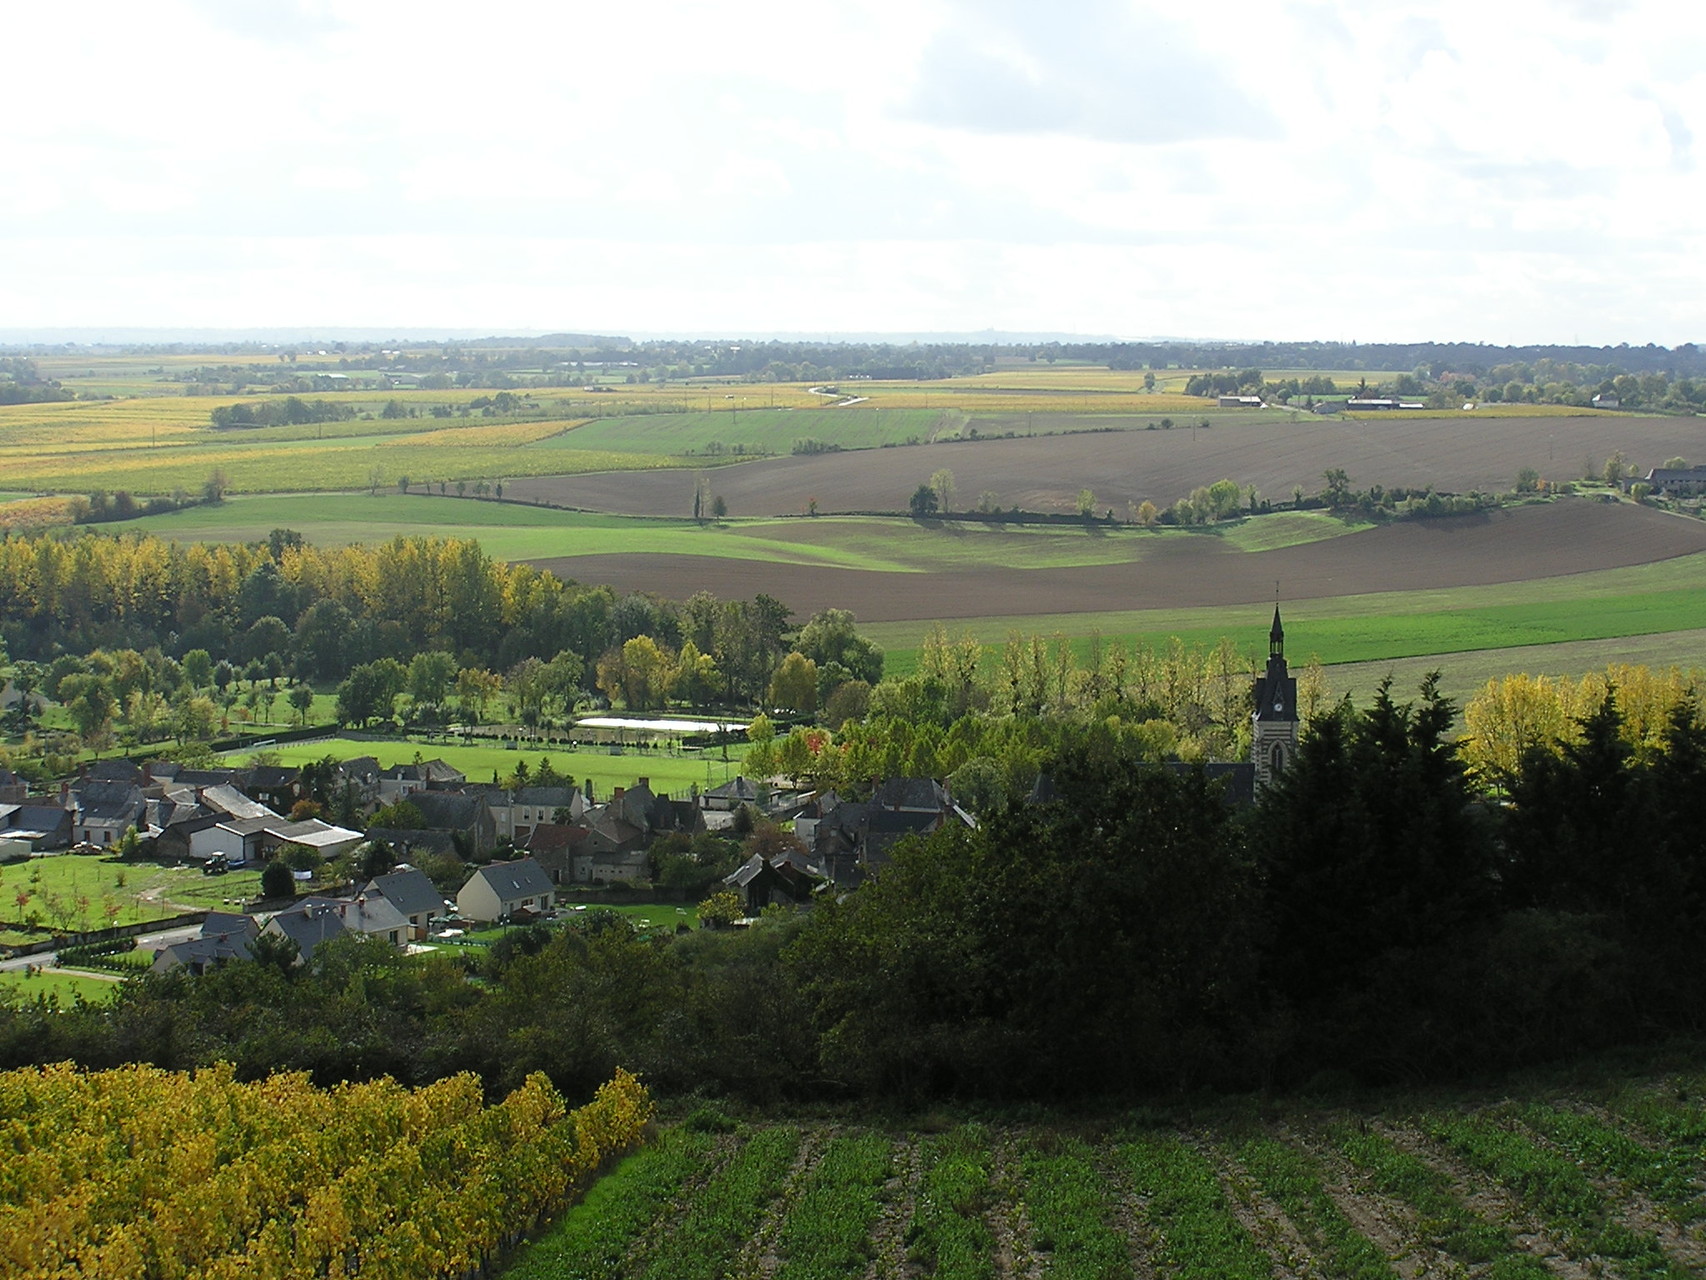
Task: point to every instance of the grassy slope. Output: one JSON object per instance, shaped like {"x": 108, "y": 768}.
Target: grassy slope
{"x": 513, "y": 531}
{"x": 1647, "y": 599}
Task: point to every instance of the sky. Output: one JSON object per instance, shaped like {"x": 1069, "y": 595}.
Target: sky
{"x": 1510, "y": 172}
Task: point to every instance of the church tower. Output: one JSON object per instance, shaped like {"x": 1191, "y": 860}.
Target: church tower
{"x": 1273, "y": 736}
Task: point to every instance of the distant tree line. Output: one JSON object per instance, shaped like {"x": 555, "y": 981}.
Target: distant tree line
{"x": 143, "y": 640}
{"x": 21, "y": 383}
{"x": 288, "y": 412}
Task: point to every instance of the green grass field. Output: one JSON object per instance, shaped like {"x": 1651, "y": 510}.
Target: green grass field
{"x": 510, "y": 531}
{"x": 1643, "y": 600}
{"x": 89, "y": 886}
{"x": 507, "y": 531}
{"x": 672, "y": 772}
{"x": 64, "y": 986}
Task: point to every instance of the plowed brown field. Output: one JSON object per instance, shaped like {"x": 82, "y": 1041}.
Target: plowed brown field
{"x": 1183, "y": 571}
{"x": 1046, "y": 473}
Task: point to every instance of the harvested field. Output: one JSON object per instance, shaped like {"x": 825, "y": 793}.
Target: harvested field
{"x": 1569, "y": 1185}
{"x": 1121, "y": 463}
{"x": 1178, "y": 570}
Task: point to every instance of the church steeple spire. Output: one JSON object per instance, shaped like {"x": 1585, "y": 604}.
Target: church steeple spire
{"x": 1274, "y": 731}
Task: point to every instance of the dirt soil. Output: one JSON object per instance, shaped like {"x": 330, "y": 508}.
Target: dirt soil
{"x": 1046, "y": 473}
{"x": 1512, "y": 545}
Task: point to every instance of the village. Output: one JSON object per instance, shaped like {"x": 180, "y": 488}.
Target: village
{"x": 498, "y": 855}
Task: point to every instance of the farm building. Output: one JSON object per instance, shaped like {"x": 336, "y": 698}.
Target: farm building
{"x": 1676, "y": 482}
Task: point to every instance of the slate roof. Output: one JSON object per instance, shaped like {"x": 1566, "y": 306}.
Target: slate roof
{"x": 115, "y": 770}
{"x": 910, "y": 793}
{"x": 273, "y": 777}
{"x": 428, "y": 771}
{"x": 738, "y": 790}
{"x": 556, "y": 836}
{"x": 206, "y": 777}
{"x": 449, "y": 810}
{"x": 49, "y": 818}
{"x": 545, "y": 797}
{"x": 409, "y": 891}
{"x": 614, "y": 828}
{"x": 227, "y": 800}
{"x": 173, "y": 811}
{"x": 359, "y": 768}
{"x": 523, "y": 878}
{"x": 224, "y": 936}
{"x": 109, "y": 800}
{"x": 308, "y": 924}
{"x": 372, "y": 914}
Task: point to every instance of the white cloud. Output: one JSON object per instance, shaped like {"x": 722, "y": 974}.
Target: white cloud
{"x": 1515, "y": 172}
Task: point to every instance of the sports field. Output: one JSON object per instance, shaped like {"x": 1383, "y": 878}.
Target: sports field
{"x": 669, "y": 771}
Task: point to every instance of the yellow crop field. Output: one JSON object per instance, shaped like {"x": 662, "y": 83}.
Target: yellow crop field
{"x": 35, "y": 513}
{"x": 71, "y": 424}
{"x": 303, "y": 466}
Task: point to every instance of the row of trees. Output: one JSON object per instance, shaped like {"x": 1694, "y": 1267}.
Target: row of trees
{"x": 1443, "y": 384}
{"x": 321, "y": 613}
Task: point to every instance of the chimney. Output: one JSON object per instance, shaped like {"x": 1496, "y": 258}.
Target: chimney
{"x": 616, "y": 794}
{"x": 645, "y": 782}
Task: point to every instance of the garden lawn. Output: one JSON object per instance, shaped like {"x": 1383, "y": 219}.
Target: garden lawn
{"x": 63, "y": 986}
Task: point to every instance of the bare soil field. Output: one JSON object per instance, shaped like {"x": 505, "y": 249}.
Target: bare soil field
{"x": 1178, "y": 570}
{"x": 1124, "y": 463}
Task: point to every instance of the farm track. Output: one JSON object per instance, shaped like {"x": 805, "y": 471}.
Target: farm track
{"x": 1288, "y": 1197}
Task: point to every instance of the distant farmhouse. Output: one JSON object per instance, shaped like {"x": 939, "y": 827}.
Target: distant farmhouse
{"x": 1675, "y": 482}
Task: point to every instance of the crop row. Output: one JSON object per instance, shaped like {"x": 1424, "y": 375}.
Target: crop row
{"x": 1493, "y": 1191}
